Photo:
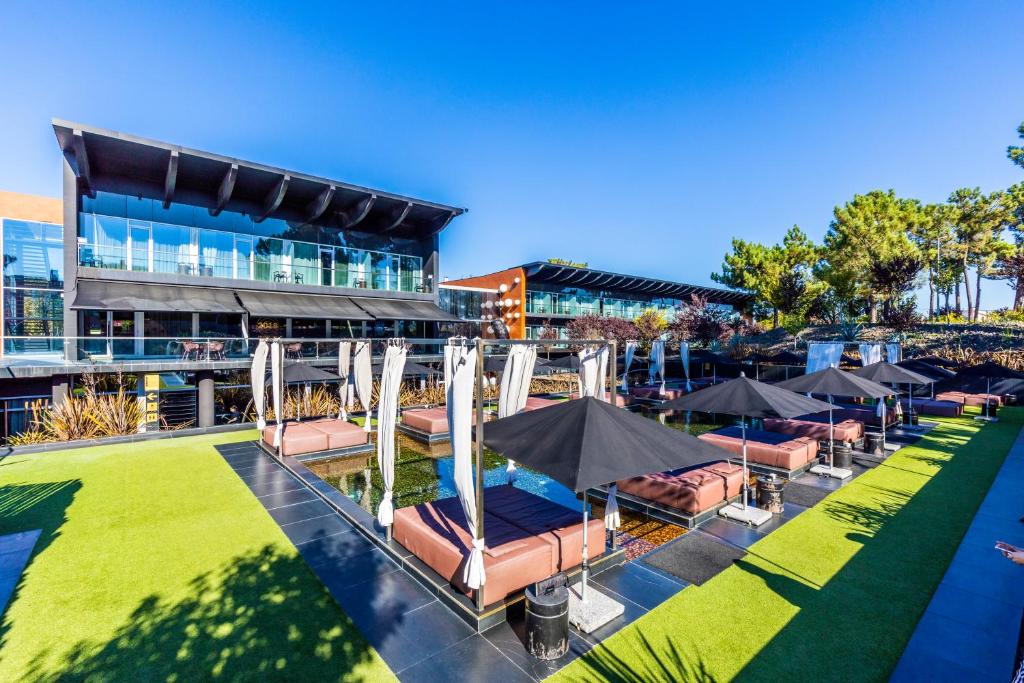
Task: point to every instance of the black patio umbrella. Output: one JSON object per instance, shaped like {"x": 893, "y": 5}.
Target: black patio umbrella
{"x": 835, "y": 382}
{"x": 567, "y": 362}
{"x": 302, "y": 373}
{"x": 890, "y": 373}
{"x": 712, "y": 358}
{"x": 410, "y": 370}
{"x": 780, "y": 358}
{"x": 585, "y": 443}
{"x": 938, "y": 362}
{"x": 987, "y": 371}
{"x": 933, "y": 372}
{"x": 747, "y": 398}
{"x": 497, "y": 364}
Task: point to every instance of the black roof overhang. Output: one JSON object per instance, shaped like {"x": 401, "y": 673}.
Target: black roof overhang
{"x": 108, "y": 160}
{"x": 599, "y": 279}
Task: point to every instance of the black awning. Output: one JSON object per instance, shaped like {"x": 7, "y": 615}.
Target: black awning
{"x": 281, "y": 305}
{"x": 134, "y": 296}
{"x": 403, "y": 309}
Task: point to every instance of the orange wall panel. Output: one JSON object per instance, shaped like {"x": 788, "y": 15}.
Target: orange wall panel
{"x": 516, "y": 326}
{"x": 28, "y": 207}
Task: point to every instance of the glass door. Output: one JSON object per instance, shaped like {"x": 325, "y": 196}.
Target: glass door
{"x": 139, "y": 251}
{"x": 243, "y": 258}
{"x": 326, "y": 266}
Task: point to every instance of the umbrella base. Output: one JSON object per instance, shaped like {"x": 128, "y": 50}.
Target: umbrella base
{"x": 597, "y": 611}
{"x": 746, "y": 514}
{"x": 986, "y": 418}
{"x": 834, "y": 472}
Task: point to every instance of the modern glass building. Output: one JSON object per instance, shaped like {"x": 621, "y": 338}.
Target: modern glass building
{"x": 534, "y": 295}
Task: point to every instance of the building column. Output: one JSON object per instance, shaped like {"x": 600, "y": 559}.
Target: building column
{"x": 207, "y": 406}
{"x": 60, "y": 388}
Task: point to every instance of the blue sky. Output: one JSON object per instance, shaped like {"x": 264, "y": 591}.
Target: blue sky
{"x": 636, "y": 137}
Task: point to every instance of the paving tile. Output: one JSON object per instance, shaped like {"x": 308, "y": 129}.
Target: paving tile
{"x": 791, "y": 510}
{"x": 632, "y": 612}
{"x": 965, "y": 647}
{"x": 383, "y": 601}
{"x": 740, "y": 535}
{"x": 327, "y": 524}
{"x": 509, "y": 638}
{"x": 296, "y": 513}
{"x": 275, "y": 486}
{"x": 14, "y": 560}
{"x": 272, "y": 501}
{"x": 993, "y": 576}
{"x": 334, "y": 548}
{"x": 250, "y": 467}
{"x": 975, "y": 611}
{"x": 919, "y": 663}
{"x": 473, "y": 659}
{"x": 357, "y": 569}
{"x": 641, "y": 585}
{"x": 19, "y": 541}
{"x": 259, "y": 475}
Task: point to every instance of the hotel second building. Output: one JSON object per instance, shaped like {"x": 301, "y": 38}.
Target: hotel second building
{"x": 525, "y": 298}
{"x": 169, "y": 261}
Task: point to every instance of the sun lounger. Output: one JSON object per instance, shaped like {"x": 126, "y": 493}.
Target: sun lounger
{"x": 847, "y": 431}
{"x": 528, "y": 539}
{"x": 936, "y": 407}
{"x": 689, "y": 491}
{"x": 766, "y": 448}
{"x": 303, "y": 438}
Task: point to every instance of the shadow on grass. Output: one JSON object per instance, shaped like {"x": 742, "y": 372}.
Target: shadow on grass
{"x": 663, "y": 661}
{"x": 26, "y": 507}
{"x": 868, "y": 610}
{"x": 261, "y": 617}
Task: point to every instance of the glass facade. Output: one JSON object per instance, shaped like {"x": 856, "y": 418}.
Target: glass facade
{"x": 467, "y": 304}
{"x": 575, "y": 302}
{"x": 33, "y": 303}
{"x": 124, "y": 233}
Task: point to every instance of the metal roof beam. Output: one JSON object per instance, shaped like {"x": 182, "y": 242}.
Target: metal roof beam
{"x": 399, "y": 217}
{"x": 441, "y": 224}
{"x": 355, "y": 214}
{"x": 317, "y": 206}
{"x": 82, "y": 161}
{"x": 274, "y": 197}
{"x": 227, "y": 187}
{"x": 170, "y": 178}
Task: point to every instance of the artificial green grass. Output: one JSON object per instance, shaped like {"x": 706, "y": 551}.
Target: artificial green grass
{"x": 156, "y": 563}
{"x": 836, "y": 593}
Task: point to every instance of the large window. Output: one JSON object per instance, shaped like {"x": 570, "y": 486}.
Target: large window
{"x": 165, "y": 331}
{"x": 33, "y": 277}
{"x": 118, "y": 232}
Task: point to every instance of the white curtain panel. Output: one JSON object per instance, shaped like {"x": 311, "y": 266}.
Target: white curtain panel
{"x": 870, "y": 353}
{"x": 515, "y": 388}
{"x": 611, "y": 509}
{"x": 387, "y": 414}
{"x": 823, "y": 355}
{"x": 894, "y": 353}
{"x": 363, "y": 373}
{"x": 684, "y": 357}
{"x": 593, "y": 366}
{"x": 259, "y": 383}
{"x": 277, "y": 380}
{"x": 344, "y": 363}
{"x": 657, "y": 363}
{"x": 462, "y": 360}
{"x": 630, "y": 352}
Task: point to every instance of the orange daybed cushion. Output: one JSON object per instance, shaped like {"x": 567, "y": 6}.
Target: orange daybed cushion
{"x": 766, "y": 448}
{"x": 845, "y": 430}
{"x": 340, "y": 433}
{"x": 429, "y": 420}
{"x": 691, "y": 491}
{"x": 298, "y": 438}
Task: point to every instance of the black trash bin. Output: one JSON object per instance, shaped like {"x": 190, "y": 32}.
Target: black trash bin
{"x": 842, "y": 455}
{"x": 771, "y": 493}
{"x": 873, "y": 443}
{"x": 547, "y": 619}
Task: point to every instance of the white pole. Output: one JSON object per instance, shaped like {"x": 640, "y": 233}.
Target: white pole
{"x": 583, "y": 590}
{"x": 746, "y": 477}
{"x": 831, "y": 438}
{"x": 988, "y": 390}
{"x": 884, "y": 406}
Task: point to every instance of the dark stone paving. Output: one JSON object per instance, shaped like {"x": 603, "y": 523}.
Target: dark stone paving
{"x": 15, "y": 550}
{"x": 418, "y": 637}
{"x": 969, "y": 632}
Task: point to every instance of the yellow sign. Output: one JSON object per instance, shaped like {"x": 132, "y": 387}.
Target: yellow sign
{"x": 152, "y": 382}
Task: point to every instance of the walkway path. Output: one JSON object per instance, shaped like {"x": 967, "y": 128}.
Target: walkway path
{"x": 970, "y": 630}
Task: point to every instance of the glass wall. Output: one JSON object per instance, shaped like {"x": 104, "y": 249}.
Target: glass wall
{"x": 33, "y": 277}
{"x": 467, "y": 304}
{"x": 125, "y": 233}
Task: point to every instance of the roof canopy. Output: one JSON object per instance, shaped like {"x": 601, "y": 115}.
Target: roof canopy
{"x": 540, "y": 271}
{"x": 108, "y": 160}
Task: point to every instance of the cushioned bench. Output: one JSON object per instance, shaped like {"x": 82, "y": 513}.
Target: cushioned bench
{"x": 690, "y": 491}
{"x": 528, "y": 538}
{"x": 654, "y": 392}
{"x": 301, "y": 438}
{"x": 848, "y": 431}
{"x": 966, "y": 399}
{"x": 857, "y": 413}
{"x": 937, "y": 407}
{"x": 766, "y": 448}
{"x": 428, "y": 420}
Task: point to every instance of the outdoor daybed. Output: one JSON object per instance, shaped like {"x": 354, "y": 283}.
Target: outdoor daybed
{"x": 846, "y": 431}
{"x": 770, "y": 449}
{"x": 654, "y": 392}
{"x": 859, "y": 413}
{"x": 939, "y": 408}
{"x": 966, "y": 399}
{"x": 425, "y": 424}
{"x": 689, "y": 491}
{"x": 528, "y": 538}
{"x": 317, "y": 435}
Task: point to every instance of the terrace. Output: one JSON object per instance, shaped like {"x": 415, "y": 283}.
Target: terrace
{"x": 219, "y": 549}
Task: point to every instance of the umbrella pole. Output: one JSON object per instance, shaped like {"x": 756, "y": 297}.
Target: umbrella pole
{"x": 831, "y": 439}
{"x": 884, "y": 406}
{"x": 478, "y": 595}
{"x": 988, "y": 390}
{"x": 746, "y": 476}
{"x": 585, "y": 566}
